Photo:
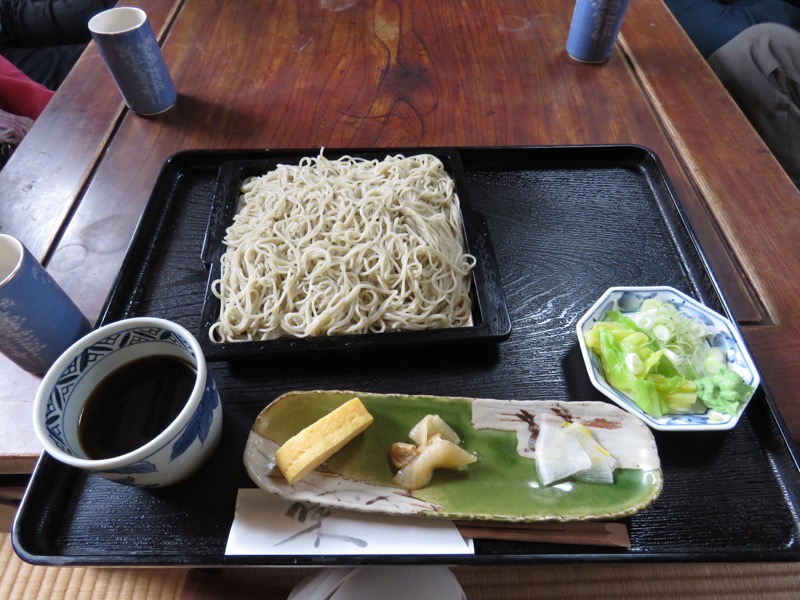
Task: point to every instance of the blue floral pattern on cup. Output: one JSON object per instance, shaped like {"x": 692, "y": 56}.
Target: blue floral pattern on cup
{"x": 87, "y": 359}
{"x": 178, "y": 453}
{"x": 200, "y": 423}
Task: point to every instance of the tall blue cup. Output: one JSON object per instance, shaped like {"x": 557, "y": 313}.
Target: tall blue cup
{"x": 38, "y": 321}
{"x": 594, "y": 29}
{"x": 129, "y": 47}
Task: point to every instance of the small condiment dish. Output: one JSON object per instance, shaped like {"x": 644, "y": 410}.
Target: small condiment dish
{"x": 191, "y": 431}
{"x": 723, "y": 334}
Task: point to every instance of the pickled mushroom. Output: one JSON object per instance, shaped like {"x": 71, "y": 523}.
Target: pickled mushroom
{"x": 402, "y": 454}
{"x": 436, "y": 448}
{"x": 430, "y": 426}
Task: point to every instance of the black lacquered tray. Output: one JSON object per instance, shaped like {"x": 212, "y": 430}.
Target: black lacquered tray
{"x": 566, "y": 224}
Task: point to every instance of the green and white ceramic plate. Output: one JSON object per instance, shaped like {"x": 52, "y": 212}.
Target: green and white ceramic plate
{"x": 502, "y": 485}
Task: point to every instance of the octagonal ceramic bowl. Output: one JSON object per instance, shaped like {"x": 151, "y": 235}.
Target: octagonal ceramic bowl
{"x": 723, "y": 334}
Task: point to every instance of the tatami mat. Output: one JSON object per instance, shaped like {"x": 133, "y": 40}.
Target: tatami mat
{"x": 552, "y": 582}
{"x": 779, "y": 581}
{"x": 22, "y": 581}
{"x": 745, "y": 581}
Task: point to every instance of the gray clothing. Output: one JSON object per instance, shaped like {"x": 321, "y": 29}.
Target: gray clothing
{"x": 760, "y": 68}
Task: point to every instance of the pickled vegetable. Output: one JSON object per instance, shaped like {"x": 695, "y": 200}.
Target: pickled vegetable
{"x": 658, "y": 356}
{"x": 436, "y": 448}
{"x": 570, "y": 450}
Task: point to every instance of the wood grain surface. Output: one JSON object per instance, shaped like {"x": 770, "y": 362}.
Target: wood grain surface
{"x": 744, "y": 199}
{"x": 380, "y": 73}
{"x": 43, "y": 179}
{"x": 389, "y": 74}
{"x": 345, "y": 74}
{"x": 377, "y": 74}
{"x": 42, "y": 184}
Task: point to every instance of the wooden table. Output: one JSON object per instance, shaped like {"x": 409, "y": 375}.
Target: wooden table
{"x": 406, "y": 76}
{"x": 347, "y": 73}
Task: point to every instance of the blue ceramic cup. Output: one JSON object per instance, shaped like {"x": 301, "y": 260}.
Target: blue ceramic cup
{"x": 38, "y": 321}
{"x": 129, "y": 47}
{"x": 187, "y": 441}
{"x": 594, "y": 29}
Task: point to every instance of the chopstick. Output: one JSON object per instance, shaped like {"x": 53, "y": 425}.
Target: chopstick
{"x": 588, "y": 533}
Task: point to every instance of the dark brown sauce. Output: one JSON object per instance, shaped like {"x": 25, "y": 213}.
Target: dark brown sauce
{"x": 133, "y": 404}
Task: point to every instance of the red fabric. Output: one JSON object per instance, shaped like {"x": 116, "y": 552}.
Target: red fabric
{"x": 19, "y": 94}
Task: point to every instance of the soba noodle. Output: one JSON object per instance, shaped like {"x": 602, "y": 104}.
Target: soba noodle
{"x": 346, "y": 246}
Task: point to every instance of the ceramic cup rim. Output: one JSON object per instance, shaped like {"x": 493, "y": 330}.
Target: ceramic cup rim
{"x": 55, "y": 371}
{"x": 14, "y": 242}
{"x": 106, "y": 22}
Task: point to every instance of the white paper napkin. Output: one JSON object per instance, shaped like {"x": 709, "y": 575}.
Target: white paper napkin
{"x": 265, "y": 524}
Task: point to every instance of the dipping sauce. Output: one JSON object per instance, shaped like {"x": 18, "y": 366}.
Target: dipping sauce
{"x": 133, "y": 404}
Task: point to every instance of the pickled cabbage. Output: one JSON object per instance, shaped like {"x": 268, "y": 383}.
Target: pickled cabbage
{"x": 656, "y": 356}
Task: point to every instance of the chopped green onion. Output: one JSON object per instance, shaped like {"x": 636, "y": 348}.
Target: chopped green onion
{"x": 634, "y": 363}
{"x": 714, "y": 360}
{"x": 656, "y": 355}
{"x": 661, "y": 332}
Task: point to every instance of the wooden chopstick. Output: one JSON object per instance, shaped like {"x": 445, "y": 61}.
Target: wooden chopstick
{"x": 588, "y": 533}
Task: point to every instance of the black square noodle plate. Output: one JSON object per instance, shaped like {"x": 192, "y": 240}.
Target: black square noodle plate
{"x": 566, "y": 223}
{"x": 490, "y": 320}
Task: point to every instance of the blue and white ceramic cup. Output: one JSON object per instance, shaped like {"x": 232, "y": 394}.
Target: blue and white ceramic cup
{"x": 182, "y": 448}
{"x": 594, "y": 29}
{"x": 38, "y": 321}
{"x": 129, "y": 47}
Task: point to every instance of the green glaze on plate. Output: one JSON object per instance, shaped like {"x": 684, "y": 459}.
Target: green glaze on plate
{"x": 503, "y": 483}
